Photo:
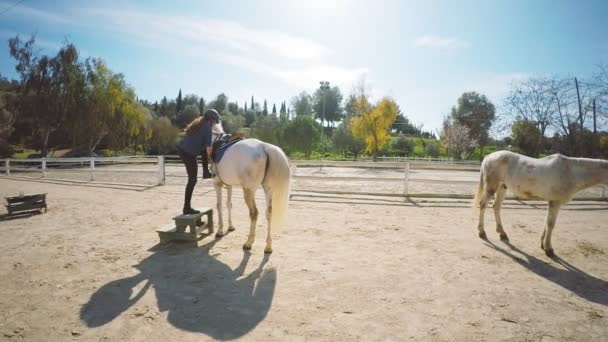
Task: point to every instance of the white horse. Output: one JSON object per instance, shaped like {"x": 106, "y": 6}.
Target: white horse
{"x": 555, "y": 178}
{"x": 250, "y": 163}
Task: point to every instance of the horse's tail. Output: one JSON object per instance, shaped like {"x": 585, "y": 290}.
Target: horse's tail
{"x": 480, "y": 189}
{"x": 278, "y": 177}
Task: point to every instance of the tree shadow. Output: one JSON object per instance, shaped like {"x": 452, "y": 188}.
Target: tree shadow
{"x": 570, "y": 278}
{"x": 200, "y": 293}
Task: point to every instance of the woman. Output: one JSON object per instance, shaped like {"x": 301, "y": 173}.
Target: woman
{"x": 197, "y": 141}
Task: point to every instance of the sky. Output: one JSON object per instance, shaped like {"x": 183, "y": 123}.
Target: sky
{"x": 424, "y": 54}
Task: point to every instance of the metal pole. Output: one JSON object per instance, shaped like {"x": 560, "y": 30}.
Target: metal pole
{"x": 43, "y": 167}
{"x": 7, "y": 166}
{"x": 580, "y": 117}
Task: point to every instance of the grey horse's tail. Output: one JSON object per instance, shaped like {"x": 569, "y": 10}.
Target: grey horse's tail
{"x": 480, "y": 190}
{"x": 278, "y": 179}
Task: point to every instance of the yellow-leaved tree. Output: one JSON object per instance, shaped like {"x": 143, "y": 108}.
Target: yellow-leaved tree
{"x": 373, "y": 123}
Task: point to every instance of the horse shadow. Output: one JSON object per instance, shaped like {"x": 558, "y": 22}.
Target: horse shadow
{"x": 570, "y": 278}
{"x": 200, "y": 293}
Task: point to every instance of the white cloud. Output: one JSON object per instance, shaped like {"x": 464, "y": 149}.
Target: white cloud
{"x": 32, "y": 13}
{"x": 292, "y": 59}
{"x": 295, "y": 60}
{"x": 438, "y": 42}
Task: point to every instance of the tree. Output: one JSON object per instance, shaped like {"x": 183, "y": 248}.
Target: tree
{"x": 403, "y": 125}
{"x": 187, "y": 115}
{"x": 432, "y": 150}
{"x": 403, "y": 146}
{"x": 274, "y": 109}
{"x": 477, "y": 113}
{"x": 302, "y": 104}
{"x": 345, "y": 142}
{"x": 7, "y": 122}
{"x": 233, "y": 107}
{"x": 283, "y": 110}
{"x": 201, "y": 105}
{"x": 220, "y": 103}
{"x": 179, "y": 102}
{"x": 163, "y": 137}
{"x": 51, "y": 87}
{"x": 327, "y": 105}
{"x": 526, "y": 136}
{"x": 568, "y": 119}
{"x": 266, "y": 128}
{"x": 232, "y": 122}
{"x": 532, "y": 100}
{"x": 457, "y": 139}
{"x": 265, "y": 110}
{"x": 373, "y": 126}
{"x": 302, "y": 134}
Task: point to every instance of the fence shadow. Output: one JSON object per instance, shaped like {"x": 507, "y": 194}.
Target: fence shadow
{"x": 200, "y": 293}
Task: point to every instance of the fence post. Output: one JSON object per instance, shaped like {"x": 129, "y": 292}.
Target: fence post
{"x": 92, "y": 164}
{"x": 43, "y": 167}
{"x": 604, "y": 193}
{"x": 7, "y": 166}
{"x": 406, "y": 176}
{"x": 161, "y": 170}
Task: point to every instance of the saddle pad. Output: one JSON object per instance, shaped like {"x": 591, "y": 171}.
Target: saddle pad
{"x": 221, "y": 145}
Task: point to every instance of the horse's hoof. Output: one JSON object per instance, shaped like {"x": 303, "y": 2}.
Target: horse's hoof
{"x": 231, "y": 229}
{"x": 549, "y": 252}
{"x": 482, "y": 235}
{"x": 504, "y": 237}
{"x": 219, "y": 234}
{"x": 246, "y": 247}
{"x": 267, "y": 250}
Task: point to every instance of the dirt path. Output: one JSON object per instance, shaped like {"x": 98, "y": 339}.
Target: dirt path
{"x": 349, "y": 268}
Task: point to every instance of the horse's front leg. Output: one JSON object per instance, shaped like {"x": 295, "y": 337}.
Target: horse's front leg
{"x": 220, "y": 221}
{"x": 253, "y": 215}
{"x": 229, "y": 206}
{"x": 552, "y": 212}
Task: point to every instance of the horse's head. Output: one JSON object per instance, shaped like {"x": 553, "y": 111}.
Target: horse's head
{"x": 217, "y": 130}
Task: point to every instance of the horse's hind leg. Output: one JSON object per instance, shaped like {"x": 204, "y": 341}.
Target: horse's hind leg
{"x": 500, "y": 196}
{"x": 483, "y": 203}
{"x": 229, "y": 206}
{"x": 552, "y": 212}
{"x": 268, "y": 194}
{"x": 253, "y": 215}
{"x": 220, "y": 221}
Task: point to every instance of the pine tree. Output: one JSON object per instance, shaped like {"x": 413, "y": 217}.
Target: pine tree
{"x": 252, "y": 106}
{"x": 201, "y": 105}
{"x": 245, "y": 107}
{"x": 283, "y": 109}
{"x": 178, "y": 102}
{"x": 274, "y": 109}
{"x": 265, "y": 110}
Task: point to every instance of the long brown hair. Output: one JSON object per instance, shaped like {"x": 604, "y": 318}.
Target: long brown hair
{"x": 195, "y": 125}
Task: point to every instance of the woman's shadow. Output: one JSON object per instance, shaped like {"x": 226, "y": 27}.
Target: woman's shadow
{"x": 571, "y": 278}
{"x": 200, "y": 293}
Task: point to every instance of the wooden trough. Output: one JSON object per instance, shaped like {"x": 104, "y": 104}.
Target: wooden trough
{"x": 23, "y": 203}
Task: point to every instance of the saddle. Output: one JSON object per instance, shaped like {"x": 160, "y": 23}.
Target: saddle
{"x": 221, "y": 144}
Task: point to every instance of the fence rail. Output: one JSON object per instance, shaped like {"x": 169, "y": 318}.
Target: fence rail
{"x": 406, "y": 179}
{"x": 91, "y": 164}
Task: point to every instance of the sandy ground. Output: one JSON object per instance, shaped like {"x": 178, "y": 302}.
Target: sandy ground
{"x": 346, "y": 267}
